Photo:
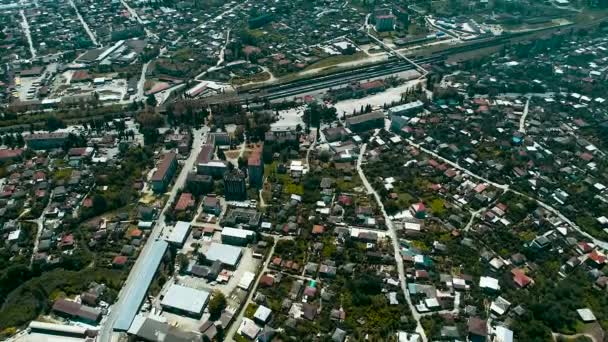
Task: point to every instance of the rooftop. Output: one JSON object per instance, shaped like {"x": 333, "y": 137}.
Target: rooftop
{"x": 185, "y": 299}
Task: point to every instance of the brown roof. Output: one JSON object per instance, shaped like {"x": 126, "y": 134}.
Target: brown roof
{"x": 164, "y": 165}
{"x": 478, "y": 326}
{"x": 318, "y": 229}
{"x": 66, "y": 306}
{"x": 36, "y": 136}
{"x": 9, "y": 154}
{"x": 185, "y": 201}
{"x": 353, "y": 120}
{"x": 206, "y": 154}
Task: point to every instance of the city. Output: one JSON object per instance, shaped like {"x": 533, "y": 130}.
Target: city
{"x": 360, "y": 170}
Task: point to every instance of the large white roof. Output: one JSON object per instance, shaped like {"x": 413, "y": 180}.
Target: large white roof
{"x": 228, "y": 255}
{"x": 185, "y": 299}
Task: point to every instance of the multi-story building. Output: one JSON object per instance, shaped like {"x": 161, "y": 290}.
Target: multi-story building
{"x": 365, "y": 122}
{"x": 206, "y": 165}
{"x": 45, "y": 141}
{"x": 235, "y": 187}
{"x": 400, "y": 115}
{"x": 385, "y": 20}
{"x": 164, "y": 172}
{"x": 255, "y": 169}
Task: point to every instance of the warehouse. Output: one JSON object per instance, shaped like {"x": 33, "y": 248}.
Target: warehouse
{"x": 226, "y": 254}
{"x": 185, "y": 301}
{"x": 238, "y": 237}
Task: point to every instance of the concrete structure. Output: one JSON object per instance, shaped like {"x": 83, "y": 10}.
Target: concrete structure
{"x": 255, "y": 169}
{"x": 206, "y": 165}
{"x": 365, "y": 122}
{"x": 235, "y": 187}
{"x": 400, "y": 115}
{"x": 226, "y": 254}
{"x": 45, "y": 141}
{"x": 185, "y": 300}
{"x": 242, "y": 217}
{"x": 135, "y": 297}
{"x": 238, "y": 237}
{"x": 385, "y": 22}
{"x": 164, "y": 172}
{"x": 76, "y": 311}
{"x": 179, "y": 234}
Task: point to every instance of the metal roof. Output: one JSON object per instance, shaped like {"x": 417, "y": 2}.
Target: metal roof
{"x": 185, "y": 299}
{"x": 228, "y": 255}
{"x": 179, "y": 233}
{"x": 133, "y": 296}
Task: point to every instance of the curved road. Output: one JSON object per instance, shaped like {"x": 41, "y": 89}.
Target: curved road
{"x": 505, "y": 187}
{"x": 395, "y": 241}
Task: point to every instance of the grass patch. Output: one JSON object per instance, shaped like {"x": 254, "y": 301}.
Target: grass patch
{"x": 250, "y": 310}
{"x": 333, "y": 60}
{"x": 62, "y": 175}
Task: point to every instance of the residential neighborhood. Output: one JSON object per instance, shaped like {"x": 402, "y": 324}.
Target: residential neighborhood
{"x": 303, "y": 170}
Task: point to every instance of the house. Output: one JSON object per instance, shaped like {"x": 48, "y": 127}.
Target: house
{"x": 318, "y": 229}
{"x": 211, "y": 205}
{"x": 502, "y": 334}
{"x": 586, "y": 315}
{"x": 339, "y": 335}
{"x": 73, "y": 310}
{"x": 418, "y": 210}
{"x": 185, "y": 202}
{"x": 262, "y": 314}
{"x": 478, "y": 329}
{"x": 248, "y": 329}
{"x": 489, "y": 284}
{"x": 520, "y": 278}
{"x": 309, "y": 311}
{"x": 119, "y": 261}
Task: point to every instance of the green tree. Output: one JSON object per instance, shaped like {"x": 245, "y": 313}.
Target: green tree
{"x": 217, "y": 304}
{"x": 151, "y": 101}
{"x": 99, "y": 204}
{"x": 53, "y": 123}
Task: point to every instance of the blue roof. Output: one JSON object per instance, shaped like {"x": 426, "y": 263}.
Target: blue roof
{"x": 133, "y": 297}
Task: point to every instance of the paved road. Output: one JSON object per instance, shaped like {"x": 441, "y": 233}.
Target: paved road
{"x": 26, "y": 29}
{"x": 84, "y": 23}
{"x": 395, "y": 241}
{"x": 141, "y": 22}
{"x": 141, "y": 83}
{"x": 522, "y": 120}
{"x": 237, "y": 322}
{"x": 106, "y": 331}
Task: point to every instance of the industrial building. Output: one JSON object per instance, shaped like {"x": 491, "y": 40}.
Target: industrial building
{"x": 400, "y": 115}
{"x": 185, "y": 301}
{"x": 45, "y": 141}
{"x": 226, "y": 254}
{"x": 179, "y": 234}
{"x": 238, "y": 237}
{"x": 133, "y": 296}
{"x": 365, "y": 122}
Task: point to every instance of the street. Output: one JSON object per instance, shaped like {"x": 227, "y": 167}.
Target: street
{"x": 237, "y": 321}
{"x": 395, "y": 241}
{"x": 106, "y": 331}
